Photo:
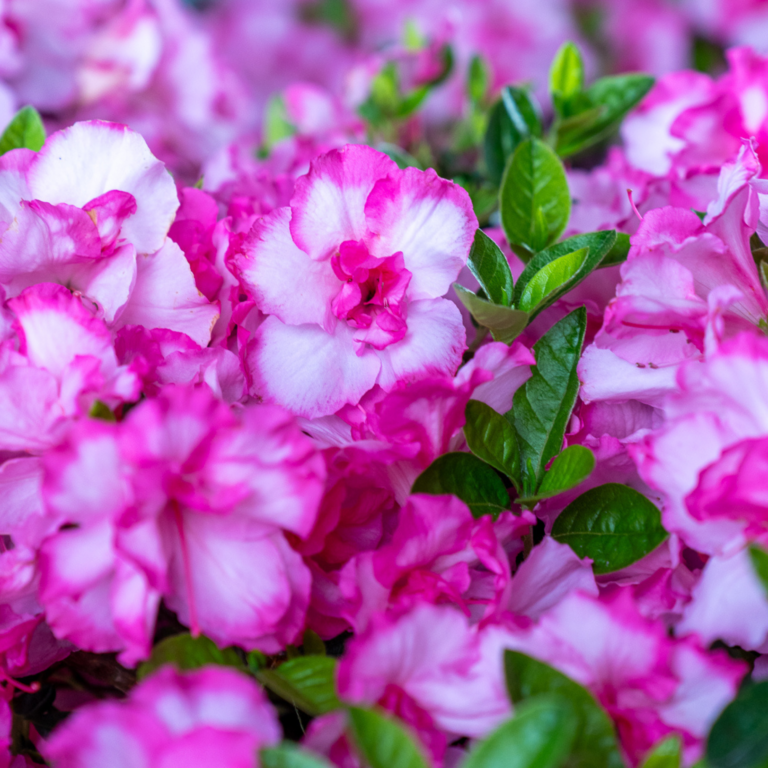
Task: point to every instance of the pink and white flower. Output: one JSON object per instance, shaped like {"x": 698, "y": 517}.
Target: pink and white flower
{"x": 351, "y": 275}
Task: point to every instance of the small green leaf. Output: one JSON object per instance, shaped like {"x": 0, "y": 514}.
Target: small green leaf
{"x": 276, "y": 124}
{"x": 612, "y": 524}
{"x": 383, "y": 742}
{"x": 566, "y": 77}
{"x": 666, "y": 754}
{"x": 599, "y": 244}
{"x": 312, "y": 644}
{"x": 515, "y": 117}
{"x": 504, "y": 323}
{"x": 739, "y": 737}
{"x": 540, "y": 735}
{"x": 307, "y": 682}
{"x": 465, "y": 476}
{"x": 187, "y": 652}
{"x": 492, "y": 438}
{"x": 613, "y": 97}
{"x": 571, "y": 467}
{"x": 619, "y": 252}
{"x": 490, "y": 266}
{"x": 289, "y": 755}
{"x": 101, "y": 411}
{"x": 478, "y": 79}
{"x": 759, "y": 558}
{"x": 542, "y": 406}
{"x": 25, "y": 131}
{"x": 550, "y": 278}
{"x": 595, "y": 745}
{"x": 534, "y": 180}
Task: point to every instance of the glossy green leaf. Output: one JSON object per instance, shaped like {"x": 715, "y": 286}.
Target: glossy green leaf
{"x": 289, "y": 755}
{"x": 612, "y": 98}
{"x": 566, "y": 77}
{"x": 492, "y": 438}
{"x": 542, "y": 407}
{"x": 612, "y": 524}
{"x": 515, "y": 117}
{"x": 491, "y": 269}
{"x": 383, "y": 742}
{"x": 619, "y": 252}
{"x": 759, "y": 558}
{"x": 467, "y": 477}
{"x": 307, "y": 682}
{"x": 534, "y": 181}
{"x": 571, "y": 467}
{"x": 666, "y": 754}
{"x": 739, "y": 737}
{"x": 504, "y": 323}
{"x": 599, "y": 244}
{"x": 550, "y": 278}
{"x": 540, "y": 735}
{"x": 25, "y": 131}
{"x": 595, "y": 744}
{"x": 187, "y": 652}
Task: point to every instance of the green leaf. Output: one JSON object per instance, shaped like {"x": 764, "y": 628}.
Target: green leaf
{"x": 25, "y": 131}
{"x": 307, "y": 682}
{"x": 619, "y": 252}
{"x": 599, "y": 244}
{"x": 516, "y": 116}
{"x": 534, "y": 180}
{"x": 276, "y": 124}
{"x": 383, "y": 742}
{"x": 550, "y": 278}
{"x": 492, "y": 438}
{"x": 478, "y": 79}
{"x": 612, "y": 524}
{"x": 614, "y": 96}
{"x": 542, "y": 407}
{"x": 759, "y": 558}
{"x": 739, "y": 737}
{"x": 595, "y": 744}
{"x": 465, "y": 476}
{"x": 666, "y": 754}
{"x": 101, "y": 411}
{"x": 187, "y": 652}
{"x": 566, "y": 77}
{"x": 504, "y": 323}
{"x": 491, "y": 268}
{"x": 540, "y": 735}
{"x": 289, "y": 755}
{"x": 571, "y": 467}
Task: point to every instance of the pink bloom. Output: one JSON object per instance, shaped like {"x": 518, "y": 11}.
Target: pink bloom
{"x": 64, "y": 362}
{"x": 651, "y": 685}
{"x": 426, "y": 667}
{"x": 351, "y": 275}
{"x": 185, "y": 485}
{"x": 101, "y": 235}
{"x": 212, "y": 716}
{"x": 704, "y": 458}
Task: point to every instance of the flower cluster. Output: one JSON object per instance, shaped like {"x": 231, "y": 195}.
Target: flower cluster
{"x": 383, "y": 383}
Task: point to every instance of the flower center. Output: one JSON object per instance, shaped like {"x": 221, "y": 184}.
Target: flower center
{"x": 372, "y": 299}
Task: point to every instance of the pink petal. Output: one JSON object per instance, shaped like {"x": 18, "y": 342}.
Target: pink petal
{"x": 309, "y": 371}
{"x": 328, "y": 204}
{"x": 432, "y": 346}
{"x": 430, "y": 220}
